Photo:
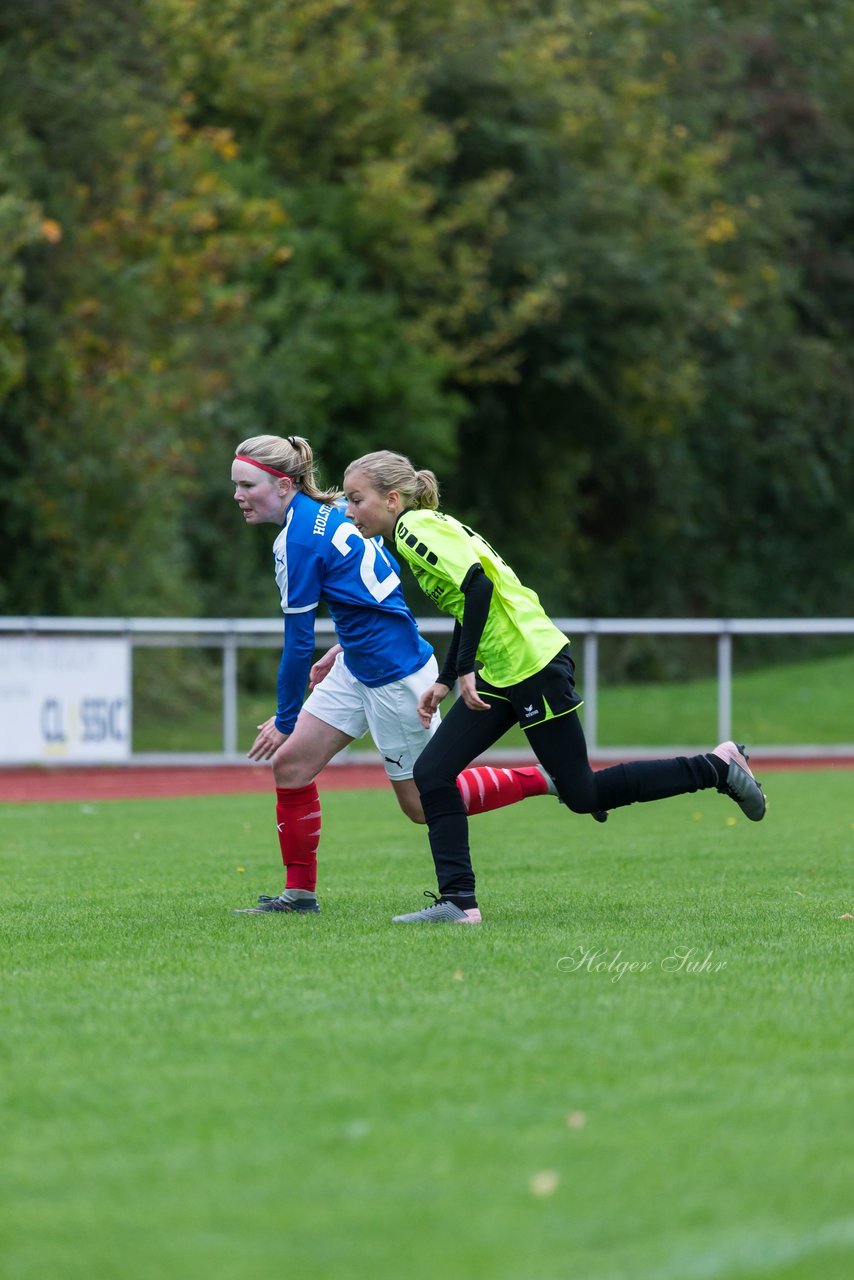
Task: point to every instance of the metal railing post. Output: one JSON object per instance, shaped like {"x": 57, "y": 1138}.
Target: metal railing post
{"x": 229, "y": 694}
{"x": 591, "y": 689}
{"x": 724, "y": 686}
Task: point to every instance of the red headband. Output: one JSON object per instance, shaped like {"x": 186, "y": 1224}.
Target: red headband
{"x": 241, "y": 457}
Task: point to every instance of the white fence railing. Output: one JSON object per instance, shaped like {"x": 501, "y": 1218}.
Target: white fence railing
{"x": 231, "y": 634}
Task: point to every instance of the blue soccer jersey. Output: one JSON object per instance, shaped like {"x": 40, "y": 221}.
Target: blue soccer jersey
{"x": 320, "y": 555}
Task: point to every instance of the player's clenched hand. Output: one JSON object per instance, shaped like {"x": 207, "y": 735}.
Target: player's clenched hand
{"x": 322, "y": 667}
{"x": 269, "y": 739}
{"x": 428, "y": 703}
{"x": 470, "y": 695}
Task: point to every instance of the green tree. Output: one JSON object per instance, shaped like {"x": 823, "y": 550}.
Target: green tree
{"x": 590, "y": 261}
{"x": 385, "y": 310}
{"x": 133, "y": 290}
{"x": 768, "y": 84}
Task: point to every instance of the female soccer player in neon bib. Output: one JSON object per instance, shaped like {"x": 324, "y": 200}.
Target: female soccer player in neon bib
{"x": 526, "y": 676}
{"x": 371, "y": 680}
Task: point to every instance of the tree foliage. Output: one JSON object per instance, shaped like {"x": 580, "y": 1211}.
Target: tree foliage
{"x": 591, "y": 261}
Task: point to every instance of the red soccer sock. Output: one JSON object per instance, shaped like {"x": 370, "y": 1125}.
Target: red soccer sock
{"x": 298, "y": 820}
{"x": 483, "y": 788}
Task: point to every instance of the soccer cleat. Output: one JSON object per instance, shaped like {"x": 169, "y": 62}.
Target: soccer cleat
{"x": 266, "y": 903}
{"x": 740, "y": 784}
{"x": 441, "y": 912}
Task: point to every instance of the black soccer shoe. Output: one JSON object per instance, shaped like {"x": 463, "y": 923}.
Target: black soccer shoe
{"x": 300, "y": 906}
{"x": 740, "y": 784}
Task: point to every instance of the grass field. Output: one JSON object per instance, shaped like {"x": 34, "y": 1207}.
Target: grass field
{"x": 793, "y": 702}
{"x": 187, "y": 1093}
{"x": 782, "y": 704}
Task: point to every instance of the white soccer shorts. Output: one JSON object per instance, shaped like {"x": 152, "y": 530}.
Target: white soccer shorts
{"x": 388, "y": 712}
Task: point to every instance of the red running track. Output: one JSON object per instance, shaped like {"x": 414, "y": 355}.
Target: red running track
{"x": 51, "y": 784}
{"x": 144, "y": 782}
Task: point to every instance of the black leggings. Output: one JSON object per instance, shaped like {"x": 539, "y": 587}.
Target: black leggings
{"x": 560, "y": 747}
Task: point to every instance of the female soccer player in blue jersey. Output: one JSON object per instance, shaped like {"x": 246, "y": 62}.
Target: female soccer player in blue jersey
{"x": 371, "y": 680}
{"x": 526, "y": 676}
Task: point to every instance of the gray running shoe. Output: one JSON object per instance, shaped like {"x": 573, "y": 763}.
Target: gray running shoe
{"x": 551, "y": 785}
{"x": 441, "y": 912}
{"x": 266, "y": 903}
{"x": 740, "y": 785}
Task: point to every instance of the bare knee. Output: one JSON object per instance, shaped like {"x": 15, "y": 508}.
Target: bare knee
{"x": 409, "y": 799}
{"x": 414, "y": 813}
{"x": 289, "y": 772}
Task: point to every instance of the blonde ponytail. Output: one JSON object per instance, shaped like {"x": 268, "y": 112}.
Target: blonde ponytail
{"x": 387, "y": 471}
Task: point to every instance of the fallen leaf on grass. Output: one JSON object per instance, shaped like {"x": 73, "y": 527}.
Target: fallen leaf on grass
{"x": 544, "y": 1183}
{"x": 576, "y": 1120}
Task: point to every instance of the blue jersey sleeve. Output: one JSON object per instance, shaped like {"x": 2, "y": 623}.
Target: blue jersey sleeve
{"x": 297, "y": 653}
{"x": 299, "y": 575}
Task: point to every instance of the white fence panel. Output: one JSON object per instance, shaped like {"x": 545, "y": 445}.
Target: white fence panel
{"x": 65, "y": 700}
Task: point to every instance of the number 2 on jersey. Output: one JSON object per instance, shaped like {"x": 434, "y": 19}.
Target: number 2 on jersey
{"x": 341, "y": 539}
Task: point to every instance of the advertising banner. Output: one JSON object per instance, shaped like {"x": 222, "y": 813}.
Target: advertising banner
{"x": 64, "y": 701}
